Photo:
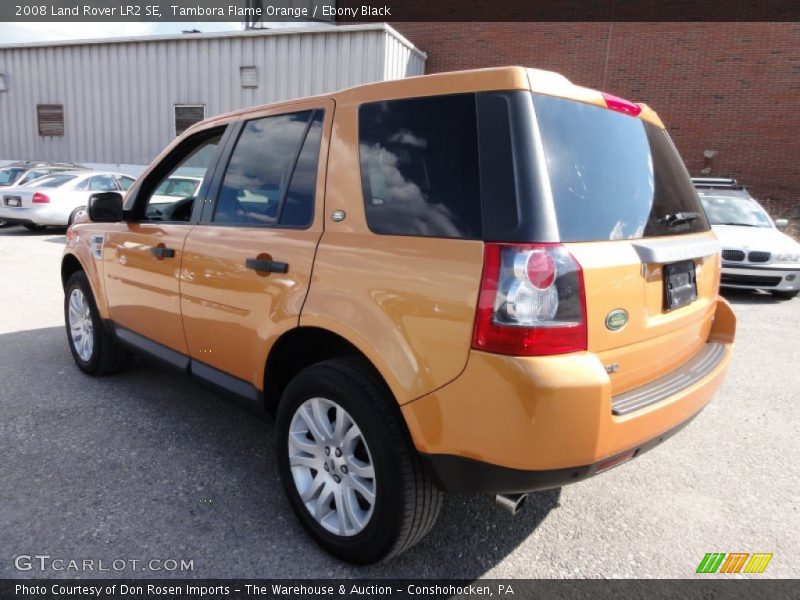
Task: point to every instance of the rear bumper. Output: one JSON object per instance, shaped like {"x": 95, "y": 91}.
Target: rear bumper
{"x": 38, "y": 215}
{"x": 785, "y": 279}
{"x": 460, "y": 474}
{"x": 511, "y": 424}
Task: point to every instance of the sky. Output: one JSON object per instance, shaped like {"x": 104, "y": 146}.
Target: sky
{"x": 14, "y": 33}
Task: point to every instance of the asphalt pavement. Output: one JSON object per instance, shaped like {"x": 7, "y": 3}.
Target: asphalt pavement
{"x": 148, "y": 466}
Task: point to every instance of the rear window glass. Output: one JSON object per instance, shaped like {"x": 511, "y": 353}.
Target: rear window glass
{"x": 419, "y": 166}
{"x": 9, "y": 175}
{"x": 52, "y": 181}
{"x": 613, "y": 176}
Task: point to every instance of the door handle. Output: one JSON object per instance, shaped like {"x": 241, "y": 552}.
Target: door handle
{"x": 162, "y": 252}
{"x": 266, "y": 266}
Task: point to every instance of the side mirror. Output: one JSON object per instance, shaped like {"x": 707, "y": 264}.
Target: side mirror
{"x": 781, "y": 223}
{"x": 105, "y": 207}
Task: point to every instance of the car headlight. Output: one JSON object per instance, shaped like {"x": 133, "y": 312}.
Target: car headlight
{"x": 787, "y": 257}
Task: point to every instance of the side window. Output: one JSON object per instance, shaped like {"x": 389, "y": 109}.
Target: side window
{"x": 98, "y": 183}
{"x": 419, "y": 166}
{"x": 298, "y": 208}
{"x": 271, "y": 176}
{"x": 190, "y": 160}
{"x": 182, "y": 187}
{"x": 102, "y": 183}
{"x": 125, "y": 182}
{"x": 31, "y": 176}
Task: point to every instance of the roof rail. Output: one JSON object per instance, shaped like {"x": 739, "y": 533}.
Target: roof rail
{"x": 716, "y": 182}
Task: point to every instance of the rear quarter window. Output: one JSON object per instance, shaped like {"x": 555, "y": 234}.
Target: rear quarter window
{"x": 419, "y": 166}
{"x": 613, "y": 176}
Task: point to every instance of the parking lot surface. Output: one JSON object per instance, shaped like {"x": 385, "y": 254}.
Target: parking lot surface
{"x": 147, "y": 465}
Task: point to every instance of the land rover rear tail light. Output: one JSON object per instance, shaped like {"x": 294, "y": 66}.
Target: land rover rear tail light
{"x": 531, "y": 302}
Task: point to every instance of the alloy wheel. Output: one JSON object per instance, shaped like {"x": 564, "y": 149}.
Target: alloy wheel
{"x": 81, "y": 327}
{"x": 332, "y": 467}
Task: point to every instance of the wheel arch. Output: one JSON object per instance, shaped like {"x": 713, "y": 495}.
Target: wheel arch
{"x": 71, "y": 263}
{"x": 301, "y": 347}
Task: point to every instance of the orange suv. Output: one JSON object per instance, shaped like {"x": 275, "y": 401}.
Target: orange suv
{"x": 489, "y": 281}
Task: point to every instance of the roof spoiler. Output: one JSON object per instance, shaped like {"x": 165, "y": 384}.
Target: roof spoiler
{"x": 716, "y": 182}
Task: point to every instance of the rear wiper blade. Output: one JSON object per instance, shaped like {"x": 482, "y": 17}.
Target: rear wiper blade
{"x": 679, "y": 218}
{"x": 738, "y": 224}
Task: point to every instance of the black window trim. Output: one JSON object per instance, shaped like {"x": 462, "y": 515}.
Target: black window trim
{"x": 215, "y": 188}
{"x": 143, "y": 189}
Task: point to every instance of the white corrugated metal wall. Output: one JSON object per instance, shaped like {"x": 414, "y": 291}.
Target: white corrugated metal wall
{"x": 119, "y": 96}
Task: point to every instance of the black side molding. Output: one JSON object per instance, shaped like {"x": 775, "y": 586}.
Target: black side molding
{"x": 240, "y": 392}
{"x": 460, "y": 474}
{"x": 151, "y": 348}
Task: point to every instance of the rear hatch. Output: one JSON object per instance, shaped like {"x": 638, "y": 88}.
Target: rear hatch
{"x": 627, "y": 211}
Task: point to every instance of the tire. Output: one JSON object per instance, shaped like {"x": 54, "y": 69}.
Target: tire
{"x": 405, "y": 503}
{"x": 101, "y": 354}
{"x": 784, "y": 295}
{"x": 33, "y": 227}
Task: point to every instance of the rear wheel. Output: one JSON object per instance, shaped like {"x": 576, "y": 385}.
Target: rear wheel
{"x": 784, "y": 295}
{"x": 74, "y": 214}
{"x": 33, "y": 227}
{"x": 94, "y": 349}
{"x": 347, "y": 464}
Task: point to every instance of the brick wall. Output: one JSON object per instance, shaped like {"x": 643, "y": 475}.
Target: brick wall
{"x": 731, "y": 88}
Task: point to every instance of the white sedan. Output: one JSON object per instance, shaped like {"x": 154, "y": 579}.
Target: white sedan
{"x": 56, "y": 199}
{"x": 755, "y": 254}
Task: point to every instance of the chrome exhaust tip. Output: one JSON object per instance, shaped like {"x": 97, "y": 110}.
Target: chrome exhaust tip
{"x": 511, "y": 503}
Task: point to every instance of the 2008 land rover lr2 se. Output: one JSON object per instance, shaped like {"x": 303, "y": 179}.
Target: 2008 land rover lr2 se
{"x": 491, "y": 281}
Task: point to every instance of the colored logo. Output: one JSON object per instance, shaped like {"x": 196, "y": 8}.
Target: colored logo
{"x": 616, "y": 319}
{"x": 735, "y": 562}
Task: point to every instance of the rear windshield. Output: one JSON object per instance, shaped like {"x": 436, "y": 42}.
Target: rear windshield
{"x": 734, "y": 210}
{"x": 52, "y": 181}
{"x": 613, "y": 176}
{"x": 7, "y": 176}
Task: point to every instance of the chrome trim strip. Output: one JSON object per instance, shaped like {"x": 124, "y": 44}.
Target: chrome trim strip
{"x": 666, "y": 251}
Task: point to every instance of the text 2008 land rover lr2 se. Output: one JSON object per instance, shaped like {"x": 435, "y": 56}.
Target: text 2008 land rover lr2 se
{"x": 489, "y": 281}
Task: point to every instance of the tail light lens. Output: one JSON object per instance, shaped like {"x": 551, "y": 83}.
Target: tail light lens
{"x": 531, "y": 302}
{"x": 40, "y": 198}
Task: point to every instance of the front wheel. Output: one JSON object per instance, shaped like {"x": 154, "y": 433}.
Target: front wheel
{"x": 784, "y": 295}
{"x": 94, "y": 349}
{"x": 347, "y": 464}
